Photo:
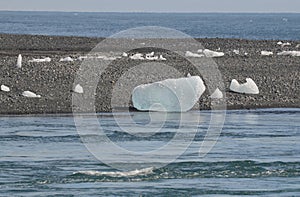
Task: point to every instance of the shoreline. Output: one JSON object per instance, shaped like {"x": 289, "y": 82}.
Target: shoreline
{"x": 276, "y": 76}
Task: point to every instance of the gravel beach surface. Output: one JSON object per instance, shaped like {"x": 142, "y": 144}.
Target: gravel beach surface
{"x": 277, "y": 77}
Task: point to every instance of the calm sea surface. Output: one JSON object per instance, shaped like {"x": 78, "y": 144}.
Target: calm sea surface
{"x": 258, "y": 153}
{"x": 250, "y": 26}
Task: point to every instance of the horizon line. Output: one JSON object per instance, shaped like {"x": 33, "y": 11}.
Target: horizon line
{"x": 160, "y": 12}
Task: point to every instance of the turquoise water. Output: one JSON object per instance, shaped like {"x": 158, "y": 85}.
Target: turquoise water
{"x": 250, "y": 26}
{"x": 257, "y": 154}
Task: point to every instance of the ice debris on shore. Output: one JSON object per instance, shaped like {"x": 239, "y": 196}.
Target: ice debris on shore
{"x": 191, "y": 54}
{"x": 19, "y": 61}
{"x": 235, "y": 51}
{"x": 170, "y": 95}
{"x": 266, "y": 53}
{"x": 210, "y": 53}
{"x": 283, "y": 44}
{"x": 78, "y": 89}
{"x": 47, "y": 59}
{"x": 4, "y": 88}
{"x": 148, "y": 56}
{"x": 137, "y": 56}
{"x": 67, "y": 59}
{"x": 30, "y": 94}
{"x": 290, "y": 53}
{"x": 217, "y": 94}
{"x": 247, "y": 88}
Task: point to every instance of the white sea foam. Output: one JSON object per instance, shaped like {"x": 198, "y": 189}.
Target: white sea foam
{"x": 144, "y": 171}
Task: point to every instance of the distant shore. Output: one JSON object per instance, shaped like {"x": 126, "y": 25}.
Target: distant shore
{"x": 278, "y": 77}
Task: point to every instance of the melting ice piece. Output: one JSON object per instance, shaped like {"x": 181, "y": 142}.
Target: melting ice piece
{"x": 266, "y": 53}
{"x": 210, "y": 53}
{"x": 217, "y": 94}
{"x": 78, "y": 89}
{"x": 47, "y": 59}
{"x": 67, "y": 59}
{"x": 81, "y": 58}
{"x": 162, "y": 58}
{"x": 137, "y": 56}
{"x": 170, "y": 95}
{"x": 4, "y": 88}
{"x": 290, "y": 53}
{"x": 286, "y": 44}
{"x": 191, "y": 54}
{"x": 235, "y": 51}
{"x": 30, "y": 94}
{"x": 247, "y": 88}
{"x": 125, "y": 54}
{"x": 19, "y": 61}
{"x": 279, "y": 43}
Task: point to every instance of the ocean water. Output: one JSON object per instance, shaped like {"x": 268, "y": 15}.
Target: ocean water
{"x": 200, "y": 25}
{"x": 257, "y": 154}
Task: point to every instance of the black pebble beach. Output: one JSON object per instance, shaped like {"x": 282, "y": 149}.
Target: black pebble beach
{"x": 277, "y": 77}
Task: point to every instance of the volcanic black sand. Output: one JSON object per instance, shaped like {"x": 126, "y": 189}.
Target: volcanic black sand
{"x": 277, "y": 77}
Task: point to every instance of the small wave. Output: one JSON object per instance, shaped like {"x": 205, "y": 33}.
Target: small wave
{"x": 144, "y": 171}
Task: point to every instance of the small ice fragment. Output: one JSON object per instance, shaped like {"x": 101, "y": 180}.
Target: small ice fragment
{"x": 266, "y": 53}
{"x": 170, "y": 95}
{"x": 137, "y": 56}
{"x": 150, "y": 54}
{"x": 109, "y": 58}
{"x": 188, "y": 75}
{"x": 30, "y": 94}
{"x": 210, "y": 53}
{"x": 4, "y": 88}
{"x": 237, "y": 52}
{"x": 247, "y": 88}
{"x": 19, "y": 61}
{"x": 152, "y": 58}
{"x": 279, "y": 43}
{"x": 286, "y": 44}
{"x": 47, "y": 59}
{"x": 191, "y": 54}
{"x": 67, "y": 59}
{"x": 125, "y": 54}
{"x": 246, "y": 54}
{"x": 78, "y": 89}
{"x": 217, "y": 94}
{"x": 290, "y": 53}
{"x": 162, "y": 58}
{"x": 200, "y": 51}
{"x": 298, "y": 46}
{"x": 81, "y": 58}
